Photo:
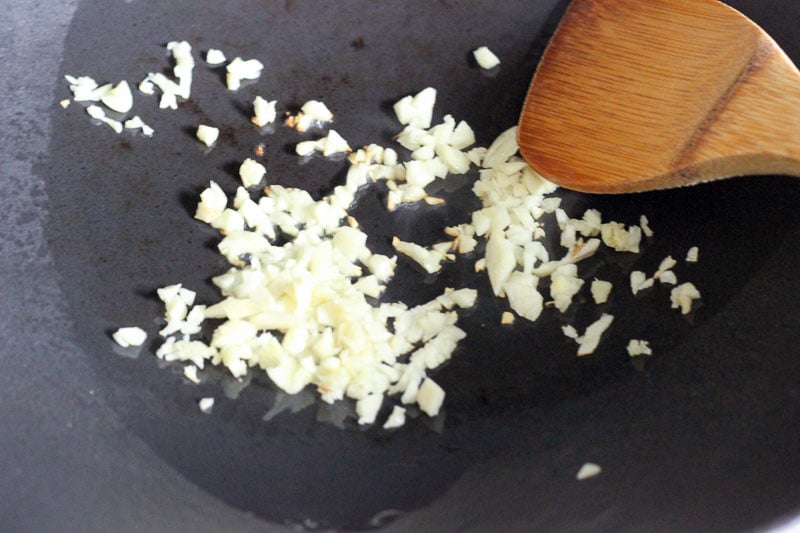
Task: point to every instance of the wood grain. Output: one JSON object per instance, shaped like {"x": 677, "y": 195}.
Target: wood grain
{"x": 635, "y": 95}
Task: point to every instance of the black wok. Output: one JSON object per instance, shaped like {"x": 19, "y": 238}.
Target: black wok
{"x": 704, "y": 435}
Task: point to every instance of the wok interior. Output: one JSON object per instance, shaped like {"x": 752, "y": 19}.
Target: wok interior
{"x": 522, "y": 412}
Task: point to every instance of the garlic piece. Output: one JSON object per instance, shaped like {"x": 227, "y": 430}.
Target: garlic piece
{"x": 396, "y": 419}
{"x": 97, "y": 113}
{"x": 564, "y": 284}
{"x": 640, "y": 281}
{"x": 263, "y": 111}
{"x": 136, "y": 123}
{"x": 600, "y": 291}
{"x": 119, "y": 98}
{"x": 485, "y": 58}
{"x": 428, "y": 258}
{"x": 240, "y": 69}
{"x": 190, "y": 373}
{"x": 367, "y": 408}
{"x": 587, "y": 471}
{"x": 416, "y": 110}
{"x": 206, "y": 405}
{"x": 313, "y": 113}
{"x": 215, "y": 57}
{"x": 129, "y": 336}
{"x": 682, "y": 297}
{"x": 587, "y": 343}
{"x": 251, "y": 172}
{"x": 430, "y": 397}
{"x": 84, "y": 89}
{"x": 208, "y": 135}
{"x": 637, "y": 347}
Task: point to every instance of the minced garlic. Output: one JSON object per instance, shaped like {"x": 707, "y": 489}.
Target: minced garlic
{"x": 301, "y": 299}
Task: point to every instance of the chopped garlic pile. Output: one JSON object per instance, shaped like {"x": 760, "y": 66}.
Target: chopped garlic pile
{"x": 299, "y": 311}
{"x": 119, "y": 97}
{"x": 301, "y": 300}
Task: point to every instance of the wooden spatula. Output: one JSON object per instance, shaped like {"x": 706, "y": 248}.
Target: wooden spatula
{"x": 634, "y": 95}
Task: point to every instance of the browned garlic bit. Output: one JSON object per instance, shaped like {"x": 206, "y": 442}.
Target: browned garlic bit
{"x": 313, "y": 113}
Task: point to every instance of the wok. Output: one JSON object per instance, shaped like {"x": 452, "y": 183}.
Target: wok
{"x": 703, "y": 435}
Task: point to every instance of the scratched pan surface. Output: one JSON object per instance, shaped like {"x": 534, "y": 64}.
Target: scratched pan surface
{"x": 703, "y": 435}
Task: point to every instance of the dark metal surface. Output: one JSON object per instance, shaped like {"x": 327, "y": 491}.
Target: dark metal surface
{"x": 703, "y": 436}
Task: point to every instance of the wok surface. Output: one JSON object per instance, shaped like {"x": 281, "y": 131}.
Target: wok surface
{"x": 704, "y": 435}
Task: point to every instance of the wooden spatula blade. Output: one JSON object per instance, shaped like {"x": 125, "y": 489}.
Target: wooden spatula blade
{"x": 634, "y": 95}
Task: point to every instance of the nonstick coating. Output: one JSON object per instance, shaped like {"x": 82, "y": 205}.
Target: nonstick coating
{"x": 703, "y": 435}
